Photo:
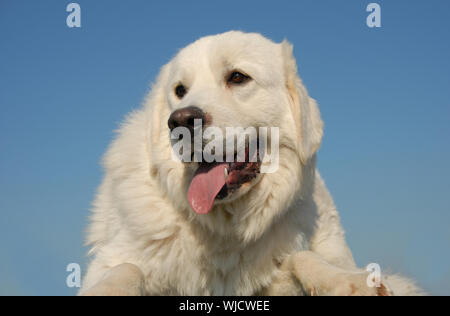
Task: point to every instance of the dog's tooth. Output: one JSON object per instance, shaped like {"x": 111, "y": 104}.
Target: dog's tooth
{"x": 226, "y": 172}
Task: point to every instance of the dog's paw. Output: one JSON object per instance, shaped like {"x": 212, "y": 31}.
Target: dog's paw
{"x": 358, "y": 284}
{"x": 123, "y": 280}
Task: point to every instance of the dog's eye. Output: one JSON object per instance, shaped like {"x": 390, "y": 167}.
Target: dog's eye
{"x": 180, "y": 91}
{"x": 238, "y": 78}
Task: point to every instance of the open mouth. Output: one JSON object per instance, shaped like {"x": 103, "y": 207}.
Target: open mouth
{"x": 219, "y": 180}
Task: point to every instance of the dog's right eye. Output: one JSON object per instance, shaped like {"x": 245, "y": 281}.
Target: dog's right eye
{"x": 238, "y": 78}
{"x": 180, "y": 91}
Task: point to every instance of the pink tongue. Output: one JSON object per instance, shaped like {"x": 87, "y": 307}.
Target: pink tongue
{"x": 206, "y": 184}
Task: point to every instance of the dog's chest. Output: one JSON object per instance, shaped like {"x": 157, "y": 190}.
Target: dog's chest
{"x": 233, "y": 273}
{"x": 197, "y": 271}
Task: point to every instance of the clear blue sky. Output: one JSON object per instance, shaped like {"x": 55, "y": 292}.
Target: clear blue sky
{"x": 384, "y": 96}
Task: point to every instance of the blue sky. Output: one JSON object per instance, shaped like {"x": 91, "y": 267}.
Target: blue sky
{"x": 384, "y": 95}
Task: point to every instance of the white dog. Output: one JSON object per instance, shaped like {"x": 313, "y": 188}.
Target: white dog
{"x": 161, "y": 226}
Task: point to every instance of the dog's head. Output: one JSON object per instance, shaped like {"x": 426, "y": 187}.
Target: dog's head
{"x": 234, "y": 110}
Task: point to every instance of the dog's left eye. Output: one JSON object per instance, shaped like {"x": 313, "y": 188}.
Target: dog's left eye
{"x": 180, "y": 91}
{"x": 238, "y": 78}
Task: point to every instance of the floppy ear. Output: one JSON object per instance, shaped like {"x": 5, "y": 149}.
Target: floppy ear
{"x": 304, "y": 109}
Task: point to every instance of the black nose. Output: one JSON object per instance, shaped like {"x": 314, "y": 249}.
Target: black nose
{"x": 185, "y": 117}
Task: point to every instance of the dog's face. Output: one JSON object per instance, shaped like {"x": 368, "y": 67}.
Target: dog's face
{"x": 233, "y": 80}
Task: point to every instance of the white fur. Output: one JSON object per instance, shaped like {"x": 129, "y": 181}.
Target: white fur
{"x": 247, "y": 245}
